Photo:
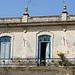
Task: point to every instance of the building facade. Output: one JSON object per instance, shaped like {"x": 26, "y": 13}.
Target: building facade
{"x": 37, "y": 37}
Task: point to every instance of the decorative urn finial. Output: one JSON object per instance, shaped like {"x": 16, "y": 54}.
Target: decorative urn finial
{"x": 26, "y": 10}
{"x": 64, "y": 7}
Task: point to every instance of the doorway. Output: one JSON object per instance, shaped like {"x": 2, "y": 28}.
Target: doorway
{"x": 43, "y": 54}
{"x": 43, "y": 50}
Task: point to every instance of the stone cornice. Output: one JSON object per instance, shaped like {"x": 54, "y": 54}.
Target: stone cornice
{"x": 51, "y": 23}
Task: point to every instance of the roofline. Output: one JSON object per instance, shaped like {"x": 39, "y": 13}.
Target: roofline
{"x": 12, "y": 18}
{"x": 33, "y": 17}
{"x": 49, "y": 23}
{"x": 37, "y": 22}
{"x": 44, "y": 16}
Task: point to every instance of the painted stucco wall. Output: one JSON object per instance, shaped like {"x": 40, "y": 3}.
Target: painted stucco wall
{"x": 25, "y": 44}
{"x": 60, "y": 41}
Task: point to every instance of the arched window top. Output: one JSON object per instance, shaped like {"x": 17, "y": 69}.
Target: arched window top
{"x": 5, "y": 39}
{"x": 44, "y": 38}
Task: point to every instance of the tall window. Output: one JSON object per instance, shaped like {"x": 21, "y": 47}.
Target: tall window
{"x": 5, "y": 46}
{"x": 44, "y": 49}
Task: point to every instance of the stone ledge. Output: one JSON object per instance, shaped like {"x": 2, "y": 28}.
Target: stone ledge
{"x": 41, "y": 68}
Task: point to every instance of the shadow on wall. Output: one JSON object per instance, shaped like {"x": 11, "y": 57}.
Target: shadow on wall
{"x": 29, "y": 46}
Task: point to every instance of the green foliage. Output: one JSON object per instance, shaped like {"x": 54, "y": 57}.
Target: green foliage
{"x": 64, "y": 64}
{"x": 3, "y": 60}
{"x": 61, "y": 54}
{"x": 52, "y": 60}
{"x": 60, "y": 61}
{"x": 18, "y": 60}
{"x": 69, "y": 63}
{"x": 42, "y": 60}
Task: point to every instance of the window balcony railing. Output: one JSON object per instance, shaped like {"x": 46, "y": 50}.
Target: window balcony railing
{"x": 37, "y": 62}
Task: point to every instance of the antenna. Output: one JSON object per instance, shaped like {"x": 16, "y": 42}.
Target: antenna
{"x": 28, "y": 2}
{"x": 26, "y": 8}
{"x": 63, "y": 1}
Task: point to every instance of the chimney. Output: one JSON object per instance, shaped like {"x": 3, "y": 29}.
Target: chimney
{"x": 25, "y": 15}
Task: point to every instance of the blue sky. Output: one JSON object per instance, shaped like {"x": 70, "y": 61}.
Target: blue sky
{"x": 16, "y": 8}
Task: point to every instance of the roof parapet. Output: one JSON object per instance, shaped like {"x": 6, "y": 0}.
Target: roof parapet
{"x": 64, "y": 13}
{"x": 25, "y": 15}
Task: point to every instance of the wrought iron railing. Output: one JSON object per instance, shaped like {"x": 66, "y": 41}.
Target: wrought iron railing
{"x": 37, "y": 62}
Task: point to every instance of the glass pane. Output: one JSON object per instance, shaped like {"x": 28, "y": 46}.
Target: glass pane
{"x": 3, "y": 48}
{"x": 5, "y": 39}
{"x": 8, "y": 39}
{"x": 44, "y": 38}
{"x": 7, "y": 50}
{"x": 0, "y": 49}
